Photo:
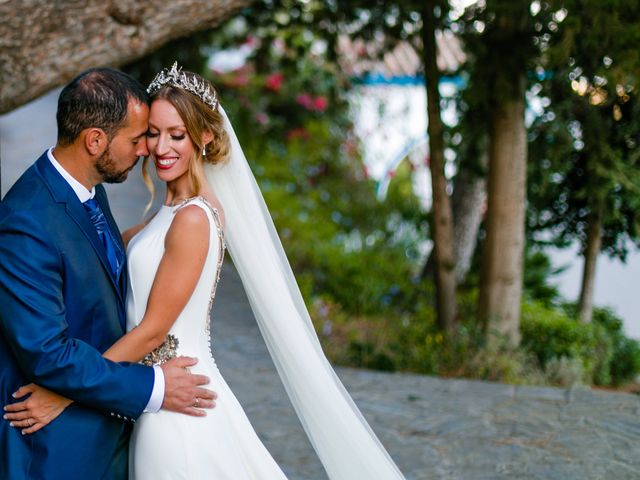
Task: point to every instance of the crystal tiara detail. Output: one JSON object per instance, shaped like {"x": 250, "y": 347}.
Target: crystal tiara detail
{"x": 177, "y": 78}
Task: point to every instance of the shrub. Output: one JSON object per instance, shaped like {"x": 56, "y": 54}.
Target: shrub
{"x": 625, "y": 364}
{"x": 625, "y": 357}
{"x": 564, "y": 371}
{"x": 549, "y": 334}
{"x": 607, "y": 356}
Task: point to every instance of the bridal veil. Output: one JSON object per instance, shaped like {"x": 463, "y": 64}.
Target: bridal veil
{"x": 346, "y": 445}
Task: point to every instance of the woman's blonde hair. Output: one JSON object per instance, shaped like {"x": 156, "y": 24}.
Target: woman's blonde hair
{"x": 199, "y": 118}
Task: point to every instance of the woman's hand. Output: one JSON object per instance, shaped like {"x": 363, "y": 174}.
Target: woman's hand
{"x": 37, "y": 410}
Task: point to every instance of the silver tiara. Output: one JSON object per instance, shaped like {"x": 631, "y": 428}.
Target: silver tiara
{"x": 177, "y": 78}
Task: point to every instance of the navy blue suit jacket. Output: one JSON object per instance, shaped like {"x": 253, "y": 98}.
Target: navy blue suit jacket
{"x": 60, "y": 309}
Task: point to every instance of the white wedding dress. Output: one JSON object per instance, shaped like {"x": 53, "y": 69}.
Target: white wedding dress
{"x": 167, "y": 445}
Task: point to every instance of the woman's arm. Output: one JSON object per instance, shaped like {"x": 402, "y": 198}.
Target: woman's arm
{"x": 186, "y": 247}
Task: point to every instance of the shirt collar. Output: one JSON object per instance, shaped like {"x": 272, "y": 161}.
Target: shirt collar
{"x": 80, "y": 190}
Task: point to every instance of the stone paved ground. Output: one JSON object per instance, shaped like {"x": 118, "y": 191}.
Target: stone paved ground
{"x": 434, "y": 428}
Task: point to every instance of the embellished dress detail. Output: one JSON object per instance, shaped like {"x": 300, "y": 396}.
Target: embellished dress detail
{"x": 165, "y": 352}
{"x": 172, "y": 446}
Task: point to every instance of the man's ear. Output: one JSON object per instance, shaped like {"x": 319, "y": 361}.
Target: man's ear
{"x": 95, "y": 141}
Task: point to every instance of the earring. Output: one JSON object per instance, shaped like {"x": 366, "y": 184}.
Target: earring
{"x": 203, "y": 151}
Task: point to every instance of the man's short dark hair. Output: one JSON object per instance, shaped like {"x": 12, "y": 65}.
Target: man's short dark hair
{"x": 99, "y": 98}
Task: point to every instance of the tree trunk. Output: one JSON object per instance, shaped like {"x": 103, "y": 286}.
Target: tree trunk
{"x": 44, "y": 44}
{"x": 501, "y": 286}
{"x": 441, "y": 209}
{"x": 594, "y": 243}
{"x": 469, "y": 204}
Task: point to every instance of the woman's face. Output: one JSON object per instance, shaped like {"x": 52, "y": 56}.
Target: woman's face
{"x": 169, "y": 144}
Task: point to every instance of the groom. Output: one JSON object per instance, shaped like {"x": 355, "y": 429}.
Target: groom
{"x": 63, "y": 284}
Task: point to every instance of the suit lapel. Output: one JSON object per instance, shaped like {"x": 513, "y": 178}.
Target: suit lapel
{"x": 63, "y": 193}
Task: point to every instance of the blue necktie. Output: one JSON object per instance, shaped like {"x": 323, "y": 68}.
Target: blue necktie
{"x": 112, "y": 249}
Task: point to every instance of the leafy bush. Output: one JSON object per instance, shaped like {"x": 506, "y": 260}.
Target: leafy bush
{"x": 625, "y": 358}
{"x": 564, "y": 371}
{"x": 551, "y": 334}
{"x": 556, "y": 349}
{"x": 625, "y": 364}
{"x": 387, "y": 342}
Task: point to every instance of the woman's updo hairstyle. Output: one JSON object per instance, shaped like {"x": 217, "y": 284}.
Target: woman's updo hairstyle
{"x": 199, "y": 118}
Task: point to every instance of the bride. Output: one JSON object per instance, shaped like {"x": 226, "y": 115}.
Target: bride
{"x": 175, "y": 259}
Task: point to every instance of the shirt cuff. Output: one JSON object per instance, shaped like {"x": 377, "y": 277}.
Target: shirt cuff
{"x": 157, "y": 394}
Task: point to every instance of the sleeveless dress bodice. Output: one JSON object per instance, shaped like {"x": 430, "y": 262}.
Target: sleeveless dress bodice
{"x": 168, "y": 445}
{"x": 145, "y": 252}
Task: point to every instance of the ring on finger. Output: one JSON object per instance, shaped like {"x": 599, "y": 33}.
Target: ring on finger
{"x": 196, "y": 402}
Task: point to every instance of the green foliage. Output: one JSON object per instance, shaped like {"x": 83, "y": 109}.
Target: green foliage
{"x": 605, "y": 354}
{"x": 538, "y": 273}
{"x": 355, "y": 258}
{"x": 500, "y": 37}
{"x": 556, "y": 349}
{"x": 291, "y": 117}
{"x": 585, "y": 163}
{"x": 625, "y": 364}
{"x": 625, "y": 360}
{"x": 347, "y": 245}
{"x": 564, "y": 371}
{"x": 548, "y": 334}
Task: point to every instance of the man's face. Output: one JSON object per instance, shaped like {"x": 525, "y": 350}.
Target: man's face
{"x": 126, "y": 147}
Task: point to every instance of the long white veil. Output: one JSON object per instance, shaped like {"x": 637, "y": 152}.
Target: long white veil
{"x": 346, "y": 445}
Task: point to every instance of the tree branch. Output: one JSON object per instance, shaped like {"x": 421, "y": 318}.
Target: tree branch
{"x": 43, "y": 44}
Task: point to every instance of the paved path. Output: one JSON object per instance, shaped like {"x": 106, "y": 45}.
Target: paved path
{"x": 436, "y": 428}
{"x": 433, "y": 428}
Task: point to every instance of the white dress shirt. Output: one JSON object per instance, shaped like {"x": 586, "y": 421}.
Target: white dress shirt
{"x": 157, "y": 394}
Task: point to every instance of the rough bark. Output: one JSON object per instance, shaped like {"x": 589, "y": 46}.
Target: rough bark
{"x": 441, "y": 207}
{"x": 468, "y": 203}
{"x": 502, "y": 275}
{"x": 594, "y": 244}
{"x": 45, "y": 43}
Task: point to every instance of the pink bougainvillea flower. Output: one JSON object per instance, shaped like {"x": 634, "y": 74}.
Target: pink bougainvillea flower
{"x": 305, "y": 100}
{"x": 238, "y": 78}
{"x": 274, "y": 82}
{"x": 262, "y": 118}
{"x": 314, "y": 104}
{"x": 320, "y": 104}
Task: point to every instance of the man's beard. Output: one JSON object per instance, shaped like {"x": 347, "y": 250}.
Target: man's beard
{"x": 107, "y": 170}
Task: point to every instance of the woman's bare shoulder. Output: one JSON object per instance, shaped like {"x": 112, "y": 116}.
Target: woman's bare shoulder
{"x": 213, "y": 203}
